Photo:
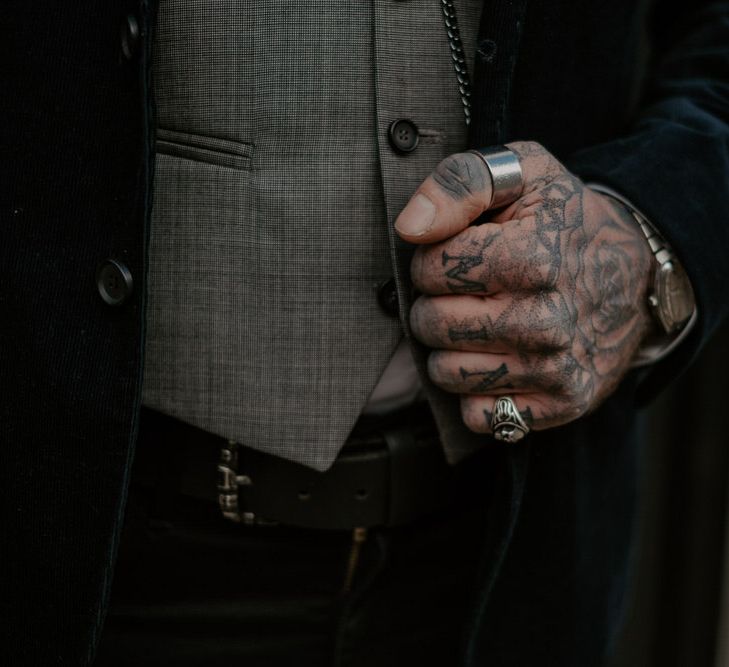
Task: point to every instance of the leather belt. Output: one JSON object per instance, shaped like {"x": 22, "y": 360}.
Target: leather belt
{"x": 390, "y": 472}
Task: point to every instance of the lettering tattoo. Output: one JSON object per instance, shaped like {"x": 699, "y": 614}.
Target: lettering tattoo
{"x": 467, "y": 332}
{"x": 457, "y": 280}
{"x": 487, "y": 379}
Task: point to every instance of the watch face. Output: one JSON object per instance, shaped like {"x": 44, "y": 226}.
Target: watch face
{"x": 675, "y": 298}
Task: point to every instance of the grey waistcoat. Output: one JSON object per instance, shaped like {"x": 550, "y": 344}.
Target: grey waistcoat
{"x": 275, "y": 193}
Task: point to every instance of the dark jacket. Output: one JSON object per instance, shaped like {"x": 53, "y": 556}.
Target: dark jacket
{"x": 76, "y": 160}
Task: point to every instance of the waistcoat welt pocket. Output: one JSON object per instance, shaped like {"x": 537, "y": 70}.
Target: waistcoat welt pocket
{"x": 200, "y": 148}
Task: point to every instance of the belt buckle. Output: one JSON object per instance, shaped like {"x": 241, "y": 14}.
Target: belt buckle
{"x": 229, "y": 483}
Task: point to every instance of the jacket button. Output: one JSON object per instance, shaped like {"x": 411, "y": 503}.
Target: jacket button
{"x": 487, "y": 50}
{"x": 403, "y": 136}
{"x": 129, "y": 36}
{"x": 387, "y": 298}
{"x": 114, "y": 282}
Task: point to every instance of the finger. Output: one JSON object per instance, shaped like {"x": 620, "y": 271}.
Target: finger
{"x": 460, "y": 190}
{"x": 539, "y": 411}
{"x": 539, "y": 323}
{"x": 495, "y": 374}
{"x": 455, "y": 194}
{"x": 488, "y": 259}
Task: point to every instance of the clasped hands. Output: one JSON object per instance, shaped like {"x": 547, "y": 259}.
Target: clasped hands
{"x": 546, "y": 301}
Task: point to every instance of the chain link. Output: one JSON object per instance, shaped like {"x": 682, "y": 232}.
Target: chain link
{"x": 457, "y": 54}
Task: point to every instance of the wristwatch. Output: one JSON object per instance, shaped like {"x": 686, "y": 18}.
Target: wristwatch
{"x": 671, "y": 299}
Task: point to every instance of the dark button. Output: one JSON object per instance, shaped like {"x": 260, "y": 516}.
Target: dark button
{"x": 487, "y": 50}
{"x": 387, "y": 298}
{"x": 114, "y": 282}
{"x": 403, "y": 136}
{"x": 129, "y": 36}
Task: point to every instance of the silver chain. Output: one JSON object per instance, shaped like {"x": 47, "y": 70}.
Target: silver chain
{"x": 459, "y": 59}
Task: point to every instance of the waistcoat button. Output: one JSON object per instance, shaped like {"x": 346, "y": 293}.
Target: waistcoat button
{"x": 114, "y": 282}
{"x": 403, "y": 135}
{"x": 129, "y": 36}
{"x": 387, "y": 298}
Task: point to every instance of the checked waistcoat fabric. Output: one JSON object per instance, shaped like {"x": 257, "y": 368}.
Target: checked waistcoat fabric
{"x": 275, "y": 193}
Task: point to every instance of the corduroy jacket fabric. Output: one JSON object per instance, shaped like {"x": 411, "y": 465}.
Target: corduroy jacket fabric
{"x": 630, "y": 95}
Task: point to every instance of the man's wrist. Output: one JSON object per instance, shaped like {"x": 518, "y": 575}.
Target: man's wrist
{"x": 670, "y": 301}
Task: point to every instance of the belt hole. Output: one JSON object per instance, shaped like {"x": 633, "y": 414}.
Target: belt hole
{"x": 361, "y": 494}
{"x": 304, "y": 494}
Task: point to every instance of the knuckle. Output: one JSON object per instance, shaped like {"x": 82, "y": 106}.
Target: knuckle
{"x": 416, "y": 317}
{"x": 538, "y": 164}
{"x": 534, "y": 147}
{"x": 436, "y": 367}
{"x": 570, "y": 391}
{"x": 569, "y": 405}
{"x": 556, "y": 383}
{"x": 527, "y": 148}
{"x": 564, "y": 371}
{"x": 425, "y": 321}
{"x": 542, "y": 275}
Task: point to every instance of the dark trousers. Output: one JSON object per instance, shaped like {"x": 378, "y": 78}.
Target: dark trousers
{"x": 192, "y": 588}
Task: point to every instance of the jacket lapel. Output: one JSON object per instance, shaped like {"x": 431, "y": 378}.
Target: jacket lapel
{"x": 496, "y": 53}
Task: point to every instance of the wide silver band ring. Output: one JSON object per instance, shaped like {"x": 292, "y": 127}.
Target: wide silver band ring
{"x": 507, "y": 178}
{"x": 507, "y": 424}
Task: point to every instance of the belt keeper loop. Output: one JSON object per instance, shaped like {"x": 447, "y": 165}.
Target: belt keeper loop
{"x": 399, "y": 442}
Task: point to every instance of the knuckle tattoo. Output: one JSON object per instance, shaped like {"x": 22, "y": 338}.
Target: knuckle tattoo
{"x": 457, "y": 278}
{"x": 482, "y": 381}
{"x": 464, "y": 264}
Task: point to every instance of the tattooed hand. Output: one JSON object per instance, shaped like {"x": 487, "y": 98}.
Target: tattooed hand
{"x": 546, "y": 302}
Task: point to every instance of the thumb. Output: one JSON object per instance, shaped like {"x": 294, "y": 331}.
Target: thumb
{"x": 453, "y": 196}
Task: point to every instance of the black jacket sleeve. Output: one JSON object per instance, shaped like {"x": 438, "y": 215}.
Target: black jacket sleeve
{"x": 674, "y": 162}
